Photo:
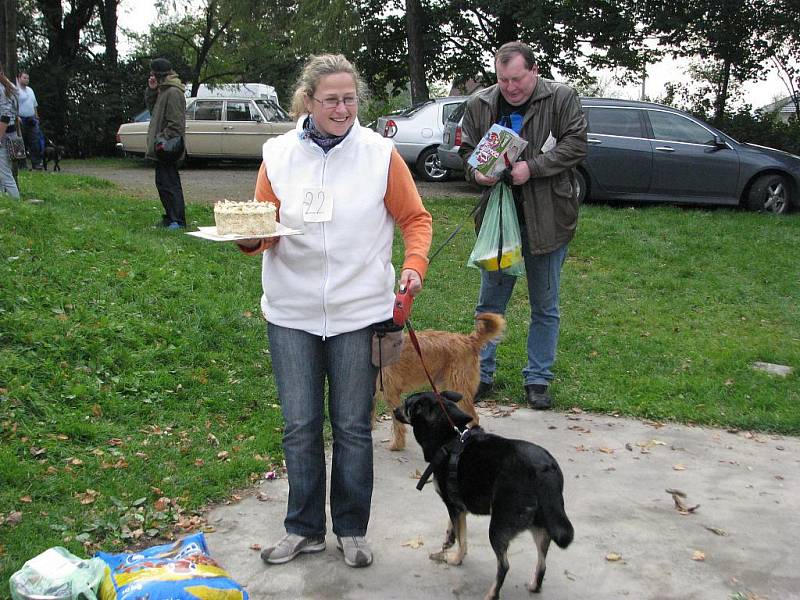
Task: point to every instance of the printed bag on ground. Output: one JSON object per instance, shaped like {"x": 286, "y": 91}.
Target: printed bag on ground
{"x": 499, "y": 244}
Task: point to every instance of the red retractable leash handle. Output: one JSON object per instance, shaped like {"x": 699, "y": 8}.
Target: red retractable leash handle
{"x": 402, "y": 306}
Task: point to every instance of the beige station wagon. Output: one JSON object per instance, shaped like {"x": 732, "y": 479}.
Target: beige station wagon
{"x": 216, "y": 127}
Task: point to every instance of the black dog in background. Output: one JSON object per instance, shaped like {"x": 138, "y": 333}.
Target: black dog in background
{"x": 516, "y": 482}
{"x": 54, "y": 153}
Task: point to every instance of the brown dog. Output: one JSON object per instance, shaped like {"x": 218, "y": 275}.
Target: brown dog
{"x": 452, "y": 360}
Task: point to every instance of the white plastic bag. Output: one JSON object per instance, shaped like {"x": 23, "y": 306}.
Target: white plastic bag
{"x": 57, "y": 574}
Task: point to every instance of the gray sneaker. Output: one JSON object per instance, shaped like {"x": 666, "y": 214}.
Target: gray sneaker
{"x": 356, "y": 550}
{"x": 290, "y": 546}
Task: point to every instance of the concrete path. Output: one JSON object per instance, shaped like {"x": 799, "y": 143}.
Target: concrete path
{"x": 631, "y": 542}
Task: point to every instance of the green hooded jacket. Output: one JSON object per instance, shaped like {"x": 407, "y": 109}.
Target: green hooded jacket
{"x": 167, "y": 106}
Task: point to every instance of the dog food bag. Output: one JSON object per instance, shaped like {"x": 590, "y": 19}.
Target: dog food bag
{"x": 57, "y": 574}
{"x": 183, "y": 570}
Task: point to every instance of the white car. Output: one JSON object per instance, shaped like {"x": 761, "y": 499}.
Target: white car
{"x": 216, "y": 127}
{"x": 417, "y": 132}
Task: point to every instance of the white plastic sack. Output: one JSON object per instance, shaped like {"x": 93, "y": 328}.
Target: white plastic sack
{"x": 57, "y": 574}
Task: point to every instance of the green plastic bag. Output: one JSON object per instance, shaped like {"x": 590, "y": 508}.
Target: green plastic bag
{"x": 499, "y": 245}
{"x": 57, "y": 574}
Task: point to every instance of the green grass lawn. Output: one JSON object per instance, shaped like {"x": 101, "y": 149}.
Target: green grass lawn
{"x": 135, "y": 382}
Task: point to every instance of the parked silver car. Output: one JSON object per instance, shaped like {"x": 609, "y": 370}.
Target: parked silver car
{"x": 217, "y": 127}
{"x": 451, "y": 141}
{"x": 417, "y": 132}
{"x": 640, "y": 151}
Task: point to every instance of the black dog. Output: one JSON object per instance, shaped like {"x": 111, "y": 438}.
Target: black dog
{"x": 516, "y": 482}
{"x": 52, "y": 152}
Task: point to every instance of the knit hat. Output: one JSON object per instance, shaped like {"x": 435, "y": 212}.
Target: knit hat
{"x": 160, "y": 65}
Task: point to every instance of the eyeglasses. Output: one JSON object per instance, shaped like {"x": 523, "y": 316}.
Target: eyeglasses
{"x": 334, "y": 102}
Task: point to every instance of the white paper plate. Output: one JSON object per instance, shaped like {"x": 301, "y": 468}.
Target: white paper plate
{"x": 210, "y": 233}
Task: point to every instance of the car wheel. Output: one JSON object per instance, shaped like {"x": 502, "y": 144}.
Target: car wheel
{"x": 770, "y": 193}
{"x": 580, "y": 183}
{"x": 429, "y": 167}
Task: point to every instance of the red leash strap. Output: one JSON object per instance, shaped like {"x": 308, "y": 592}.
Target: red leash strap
{"x": 413, "y": 336}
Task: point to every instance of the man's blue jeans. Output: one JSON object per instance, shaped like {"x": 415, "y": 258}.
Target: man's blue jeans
{"x": 543, "y": 273}
{"x": 302, "y": 362}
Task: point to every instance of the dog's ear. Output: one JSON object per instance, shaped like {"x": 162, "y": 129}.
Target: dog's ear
{"x": 454, "y": 396}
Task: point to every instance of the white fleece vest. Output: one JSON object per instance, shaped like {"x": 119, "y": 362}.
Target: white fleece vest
{"x": 337, "y": 276}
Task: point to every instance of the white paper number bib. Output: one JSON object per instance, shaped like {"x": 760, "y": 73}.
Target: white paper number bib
{"x": 317, "y": 205}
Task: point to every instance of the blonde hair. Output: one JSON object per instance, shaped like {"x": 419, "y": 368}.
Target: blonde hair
{"x": 317, "y": 67}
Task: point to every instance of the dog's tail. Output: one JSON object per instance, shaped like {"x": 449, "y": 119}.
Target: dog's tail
{"x": 487, "y": 327}
{"x": 556, "y": 521}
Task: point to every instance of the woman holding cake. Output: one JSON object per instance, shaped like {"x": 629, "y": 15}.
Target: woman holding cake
{"x": 346, "y": 188}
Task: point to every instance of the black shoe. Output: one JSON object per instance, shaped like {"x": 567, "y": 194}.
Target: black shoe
{"x": 537, "y": 396}
{"x": 484, "y": 391}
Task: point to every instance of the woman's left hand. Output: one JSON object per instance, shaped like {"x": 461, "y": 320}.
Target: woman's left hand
{"x": 411, "y": 280}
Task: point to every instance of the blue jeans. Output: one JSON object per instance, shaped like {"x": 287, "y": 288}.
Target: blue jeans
{"x": 301, "y": 363}
{"x": 543, "y": 273}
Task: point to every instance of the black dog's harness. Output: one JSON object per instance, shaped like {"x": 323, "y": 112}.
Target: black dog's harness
{"x": 451, "y": 454}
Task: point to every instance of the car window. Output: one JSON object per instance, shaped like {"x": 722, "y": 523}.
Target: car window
{"x": 412, "y": 110}
{"x": 448, "y": 109}
{"x": 207, "y": 110}
{"x": 458, "y": 112}
{"x": 272, "y": 112}
{"x": 615, "y": 121}
{"x": 676, "y": 128}
{"x": 239, "y": 110}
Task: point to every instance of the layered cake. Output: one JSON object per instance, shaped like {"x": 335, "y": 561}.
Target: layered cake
{"x": 244, "y": 218}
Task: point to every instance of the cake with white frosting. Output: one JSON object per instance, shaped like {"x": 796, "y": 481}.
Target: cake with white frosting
{"x": 244, "y": 218}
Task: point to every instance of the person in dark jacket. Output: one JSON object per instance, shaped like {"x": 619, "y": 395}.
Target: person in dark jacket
{"x": 164, "y": 98}
{"x": 549, "y": 116}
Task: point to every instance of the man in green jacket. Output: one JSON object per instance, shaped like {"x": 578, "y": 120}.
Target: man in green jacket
{"x": 549, "y": 116}
{"x": 164, "y": 98}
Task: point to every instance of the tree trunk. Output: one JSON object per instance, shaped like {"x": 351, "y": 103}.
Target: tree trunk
{"x": 722, "y": 93}
{"x": 53, "y": 76}
{"x": 416, "y": 54}
{"x": 507, "y": 29}
{"x": 8, "y": 37}
{"x": 108, "y": 19}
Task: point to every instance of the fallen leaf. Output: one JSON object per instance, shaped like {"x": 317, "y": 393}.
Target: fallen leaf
{"x": 13, "y": 517}
{"x": 414, "y": 543}
{"x": 607, "y": 450}
{"x": 613, "y": 557}
{"x": 87, "y": 497}
{"x": 222, "y": 455}
{"x": 212, "y": 439}
{"x": 679, "y": 505}
{"x": 698, "y": 555}
{"x": 199, "y": 462}
{"x": 270, "y": 475}
{"x": 716, "y": 530}
{"x": 678, "y": 467}
{"x": 36, "y": 452}
{"x": 26, "y": 499}
{"x": 255, "y": 547}
{"x": 97, "y": 410}
{"x": 115, "y": 442}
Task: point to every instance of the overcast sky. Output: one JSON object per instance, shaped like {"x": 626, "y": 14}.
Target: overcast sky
{"x": 138, "y": 15}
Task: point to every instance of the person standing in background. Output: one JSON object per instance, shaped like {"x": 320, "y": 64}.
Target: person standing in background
{"x": 549, "y": 116}
{"x": 8, "y": 123}
{"x": 29, "y": 115}
{"x": 164, "y": 98}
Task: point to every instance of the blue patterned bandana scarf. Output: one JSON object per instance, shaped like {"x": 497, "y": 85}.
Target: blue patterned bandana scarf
{"x": 323, "y": 140}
